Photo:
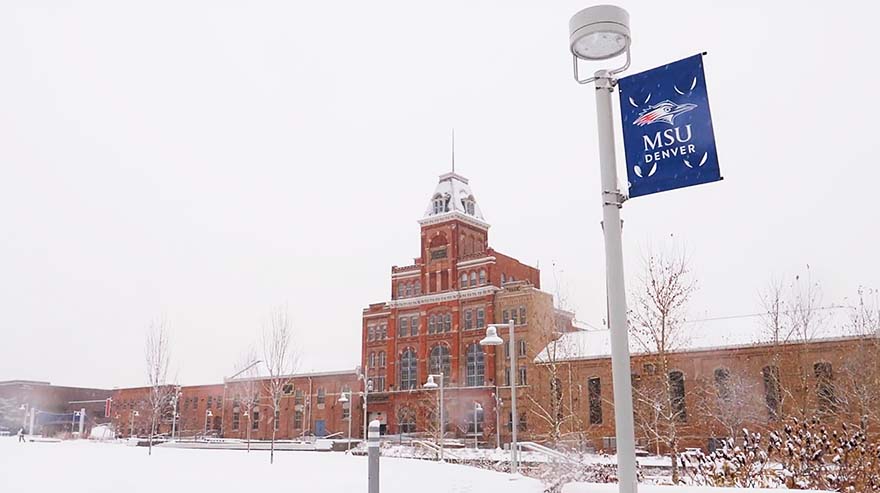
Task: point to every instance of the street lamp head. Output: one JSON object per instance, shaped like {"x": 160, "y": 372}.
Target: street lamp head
{"x": 599, "y": 33}
{"x": 342, "y": 398}
{"x": 491, "y": 338}
{"x": 136, "y": 413}
{"x": 430, "y": 384}
{"x": 478, "y": 407}
{"x": 209, "y": 413}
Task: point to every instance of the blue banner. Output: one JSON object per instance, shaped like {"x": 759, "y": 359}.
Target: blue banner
{"x": 667, "y": 128}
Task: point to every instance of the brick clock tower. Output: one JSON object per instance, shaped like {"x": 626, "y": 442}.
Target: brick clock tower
{"x": 438, "y": 312}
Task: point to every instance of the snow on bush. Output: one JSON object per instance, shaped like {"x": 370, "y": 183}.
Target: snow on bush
{"x": 802, "y": 455}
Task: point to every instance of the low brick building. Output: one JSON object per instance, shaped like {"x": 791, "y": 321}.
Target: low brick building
{"x": 309, "y": 406}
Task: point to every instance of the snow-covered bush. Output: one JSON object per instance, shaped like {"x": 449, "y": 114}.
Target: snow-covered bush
{"x": 802, "y": 455}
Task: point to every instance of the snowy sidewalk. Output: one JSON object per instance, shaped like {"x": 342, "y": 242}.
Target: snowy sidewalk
{"x": 81, "y": 466}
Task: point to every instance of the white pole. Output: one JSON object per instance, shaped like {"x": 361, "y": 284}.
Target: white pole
{"x": 350, "y": 419}
{"x": 366, "y": 394}
{"x": 174, "y": 416}
{"x": 497, "y": 419}
{"x": 33, "y": 418}
{"x": 82, "y": 419}
{"x": 476, "y": 444}
{"x": 620, "y": 366}
{"x": 514, "y": 424}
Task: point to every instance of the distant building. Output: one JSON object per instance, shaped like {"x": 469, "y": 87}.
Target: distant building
{"x": 55, "y": 408}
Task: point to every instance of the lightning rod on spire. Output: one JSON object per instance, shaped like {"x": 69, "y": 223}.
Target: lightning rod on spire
{"x": 453, "y": 149}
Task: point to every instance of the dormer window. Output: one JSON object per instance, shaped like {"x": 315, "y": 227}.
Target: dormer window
{"x": 440, "y": 204}
{"x": 468, "y": 205}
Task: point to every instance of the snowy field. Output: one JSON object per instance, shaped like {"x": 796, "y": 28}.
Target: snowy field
{"x": 82, "y": 466}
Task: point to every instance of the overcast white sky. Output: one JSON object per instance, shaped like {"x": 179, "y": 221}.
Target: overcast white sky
{"x": 206, "y": 161}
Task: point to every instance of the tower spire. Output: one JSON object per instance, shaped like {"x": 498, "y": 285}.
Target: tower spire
{"x": 453, "y": 149}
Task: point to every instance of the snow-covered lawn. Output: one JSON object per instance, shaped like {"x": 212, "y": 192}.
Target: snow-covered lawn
{"x": 82, "y": 466}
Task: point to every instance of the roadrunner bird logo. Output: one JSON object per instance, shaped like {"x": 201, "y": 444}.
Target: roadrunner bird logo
{"x": 664, "y": 111}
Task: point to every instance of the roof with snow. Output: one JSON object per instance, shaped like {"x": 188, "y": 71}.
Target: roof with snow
{"x": 453, "y": 197}
{"x": 697, "y": 336}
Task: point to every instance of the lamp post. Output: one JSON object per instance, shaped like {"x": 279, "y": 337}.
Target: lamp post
{"x": 248, "y": 430}
{"x": 343, "y": 399}
{"x": 208, "y": 414}
{"x": 497, "y": 418}
{"x": 175, "y": 415}
{"x": 595, "y": 34}
{"x": 368, "y": 387}
{"x": 477, "y": 408}
{"x": 492, "y": 339}
{"x": 430, "y": 384}
{"x": 131, "y": 416}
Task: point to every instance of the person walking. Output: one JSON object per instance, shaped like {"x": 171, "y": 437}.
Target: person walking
{"x": 21, "y": 435}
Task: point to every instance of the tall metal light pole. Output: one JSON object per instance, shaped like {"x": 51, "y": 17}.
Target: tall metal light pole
{"x": 430, "y": 384}
{"x": 600, "y": 33}
{"x": 368, "y": 387}
{"x": 477, "y": 407}
{"x": 492, "y": 339}
{"x": 346, "y": 399}
{"x": 208, "y": 414}
{"x": 175, "y": 415}
{"x": 132, "y": 415}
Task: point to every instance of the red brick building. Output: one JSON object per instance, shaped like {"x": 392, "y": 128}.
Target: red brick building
{"x": 439, "y": 309}
{"x": 309, "y": 406}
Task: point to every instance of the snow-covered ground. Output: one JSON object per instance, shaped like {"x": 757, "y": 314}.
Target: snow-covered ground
{"x": 83, "y": 466}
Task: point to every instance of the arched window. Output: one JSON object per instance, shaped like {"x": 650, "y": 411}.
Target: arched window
{"x": 372, "y": 362}
{"x": 473, "y": 279}
{"x": 447, "y": 322}
{"x": 408, "y": 289}
{"x": 475, "y": 365}
{"x": 722, "y": 384}
{"x": 408, "y": 371}
{"x": 503, "y": 278}
{"x": 381, "y": 359}
{"x": 432, "y": 324}
{"x": 463, "y": 282}
{"x": 676, "y": 395}
{"x": 400, "y": 289}
{"x": 772, "y": 392}
{"x": 406, "y": 420}
{"x": 417, "y": 290}
{"x": 522, "y": 315}
{"x": 482, "y": 277}
{"x": 825, "y": 387}
{"x": 439, "y": 360}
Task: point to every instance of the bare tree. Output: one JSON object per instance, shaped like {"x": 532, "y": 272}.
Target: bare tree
{"x": 158, "y": 358}
{"x": 247, "y": 389}
{"x": 729, "y": 401}
{"x": 280, "y": 359}
{"x": 657, "y": 317}
{"x": 859, "y": 380}
{"x": 792, "y": 318}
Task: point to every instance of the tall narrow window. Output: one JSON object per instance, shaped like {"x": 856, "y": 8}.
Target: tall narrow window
{"x": 505, "y": 316}
{"x": 408, "y": 369}
{"x": 298, "y": 398}
{"x": 473, "y": 279}
{"x": 371, "y": 333}
{"x": 594, "y": 388}
{"x": 523, "y": 376}
{"x": 381, "y": 359}
{"x": 418, "y": 288}
{"x": 722, "y": 384}
{"x": 403, "y": 326}
{"x": 481, "y": 317}
{"x": 475, "y": 365}
{"x": 408, "y": 289}
{"x": 297, "y": 419}
{"x": 439, "y": 360}
{"x": 432, "y": 324}
{"x": 255, "y": 419}
{"x": 322, "y": 395}
{"x": 464, "y": 280}
{"x": 522, "y": 315}
{"x": 676, "y": 395}
{"x": 503, "y": 278}
{"x": 372, "y": 360}
{"x": 414, "y": 325}
{"x": 400, "y": 290}
{"x": 522, "y": 348}
{"x": 482, "y": 277}
{"x": 825, "y": 387}
{"x": 468, "y": 320}
{"x": 447, "y": 322}
{"x": 383, "y": 332}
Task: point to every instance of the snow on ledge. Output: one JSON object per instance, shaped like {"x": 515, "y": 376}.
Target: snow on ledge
{"x": 647, "y": 488}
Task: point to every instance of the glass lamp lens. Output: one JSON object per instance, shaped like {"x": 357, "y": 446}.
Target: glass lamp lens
{"x": 600, "y": 45}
